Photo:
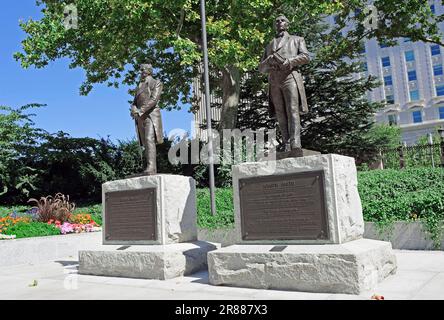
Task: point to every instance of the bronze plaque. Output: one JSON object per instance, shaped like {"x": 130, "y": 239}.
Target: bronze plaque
{"x": 131, "y": 215}
{"x": 283, "y": 207}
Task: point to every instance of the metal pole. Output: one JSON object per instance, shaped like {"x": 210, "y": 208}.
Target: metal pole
{"x": 207, "y": 106}
{"x": 430, "y": 138}
{"x": 441, "y": 135}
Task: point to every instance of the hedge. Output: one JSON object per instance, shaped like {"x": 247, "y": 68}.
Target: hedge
{"x": 386, "y": 196}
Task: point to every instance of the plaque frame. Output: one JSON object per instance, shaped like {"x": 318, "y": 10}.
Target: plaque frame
{"x": 267, "y": 239}
{"x": 152, "y": 194}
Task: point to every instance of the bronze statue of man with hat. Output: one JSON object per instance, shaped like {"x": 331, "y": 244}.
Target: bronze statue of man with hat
{"x": 146, "y": 113}
{"x": 287, "y": 100}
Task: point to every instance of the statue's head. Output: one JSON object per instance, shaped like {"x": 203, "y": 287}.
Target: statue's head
{"x": 282, "y": 23}
{"x": 146, "y": 69}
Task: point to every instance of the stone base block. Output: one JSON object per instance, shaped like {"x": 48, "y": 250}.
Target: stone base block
{"x": 147, "y": 262}
{"x": 336, "y": 192}
{"x": 352, "y": 267}
{"x": 296, "y": 153}
{"x": 173, "y": 215}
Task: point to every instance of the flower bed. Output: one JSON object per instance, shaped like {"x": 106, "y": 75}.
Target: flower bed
{"x": 28, "y": 224}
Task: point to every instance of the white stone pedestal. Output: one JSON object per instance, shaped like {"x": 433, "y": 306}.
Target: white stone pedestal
{"x": 343, "y": 262}
{"x": 176, "y": 251}
{"x": 147, "y": 262}
{"x": 342, "y": 202}
{"x": 176, "y": 207}
{"x": 352, "y": 267}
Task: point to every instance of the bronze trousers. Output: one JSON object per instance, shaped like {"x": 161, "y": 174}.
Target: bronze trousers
{"x": 285, "y": 97}
{"x": 149, "y": 144}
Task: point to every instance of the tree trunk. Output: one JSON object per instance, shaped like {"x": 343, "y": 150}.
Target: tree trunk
{"x": 230, "y": 98}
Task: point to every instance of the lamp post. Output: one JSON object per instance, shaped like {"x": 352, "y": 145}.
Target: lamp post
{"x": 207, "y": 106}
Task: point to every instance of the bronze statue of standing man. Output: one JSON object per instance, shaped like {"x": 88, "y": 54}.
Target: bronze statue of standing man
{"x": 146, "y": 113}
{"x": 287, "y": 99}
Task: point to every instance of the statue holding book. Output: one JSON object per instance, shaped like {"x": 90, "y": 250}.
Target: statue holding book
{"x": 287, "y": 99}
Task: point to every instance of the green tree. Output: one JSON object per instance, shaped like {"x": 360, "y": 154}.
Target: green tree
{"x": 385, "y": 136}
{"x": 436, "y": 137}
{"x": 17, "y": 137}
{"x": 115, "y": 36}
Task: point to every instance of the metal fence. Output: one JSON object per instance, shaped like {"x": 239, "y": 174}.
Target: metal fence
{"x": 430, "y": 155}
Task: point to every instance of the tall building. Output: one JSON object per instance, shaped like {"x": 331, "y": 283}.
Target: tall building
{"x": 412, "y": 83}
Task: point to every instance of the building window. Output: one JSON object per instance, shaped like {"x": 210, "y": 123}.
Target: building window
{"x": 417, "y": 116}
{"x": 441, "y": 112}
{"x": 407, "y": 40}
{"x": 385, "y": 61}
{"x": 390, "y": 99}
{"x": 433, "y": 9}
{"x": 383, "y": 45}
{"x": 409, "y": 56}
{"x": 437, "y": 70}
{"x": 364, "y": 67}
{"x": 414, "y": 95}
{"x": 412, "y": 75}
{"x": 435, "y": 50}
{"x": 392, "y": 120}
{"x": 440, "y": 90}
{"x": 388, "y": 81}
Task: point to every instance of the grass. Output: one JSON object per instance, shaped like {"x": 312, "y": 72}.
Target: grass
{"x": 32, "y": 229}
{"x": 224, "y": 208}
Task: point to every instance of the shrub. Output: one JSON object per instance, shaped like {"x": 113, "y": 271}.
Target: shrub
{"x": 224, "y": 208}
{"x": 18, "y": 138}
{"x": 386, "y": 196}
{"x": 57, "y": 208}
{"x": 406, "y": 195}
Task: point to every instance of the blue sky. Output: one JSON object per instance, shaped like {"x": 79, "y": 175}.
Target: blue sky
{"x": 105, "y": 111}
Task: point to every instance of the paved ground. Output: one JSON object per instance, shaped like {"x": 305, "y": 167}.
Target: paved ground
{"x": 420, "y": 276}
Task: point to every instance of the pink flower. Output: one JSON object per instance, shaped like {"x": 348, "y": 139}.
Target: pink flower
{"x": 66, "y": 228}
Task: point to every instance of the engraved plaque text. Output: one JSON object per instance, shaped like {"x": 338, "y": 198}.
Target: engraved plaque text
{"x": 130, "y": 215}
{"x": 283, "y": 207}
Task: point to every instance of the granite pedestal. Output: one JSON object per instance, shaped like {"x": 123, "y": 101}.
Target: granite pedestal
{"x": 159, "y": 262}
{"x": 149, "y": 230}
{"x": 314, "y": 200}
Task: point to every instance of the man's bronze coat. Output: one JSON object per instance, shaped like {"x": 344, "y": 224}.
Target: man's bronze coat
{"x": 146, "y": 99}
{"x": 148, "y": 120}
